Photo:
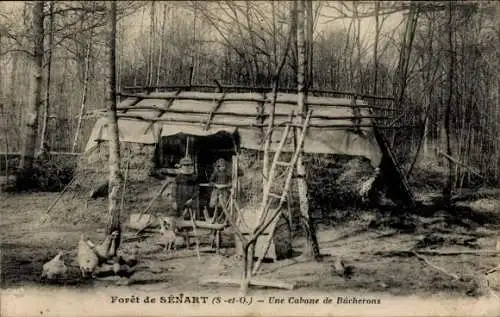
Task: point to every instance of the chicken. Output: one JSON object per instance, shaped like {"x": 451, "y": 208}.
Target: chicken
{"x": 131, "y": 258}
{"x": 342, "y": 270}
{"x": 107, "y": 248}
{"x": 116, "y": 265}
{"x": 168, "y": 237}
{"x": 55, "y": 268}
{"x": 86, "y": 257}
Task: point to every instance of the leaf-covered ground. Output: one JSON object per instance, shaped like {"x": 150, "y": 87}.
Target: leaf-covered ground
{"x": 366, "y": 243}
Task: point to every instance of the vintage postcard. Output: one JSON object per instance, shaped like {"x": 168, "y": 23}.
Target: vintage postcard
{"x": 249, "y": 158}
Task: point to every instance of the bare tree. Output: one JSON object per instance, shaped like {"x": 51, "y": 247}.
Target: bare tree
{"x": 31, "y": 124}
{"x": 309, "y": 39}
{"x": 115, "y": 177}
{"x": 311, "y": 247}
{"x": 152, "y": 45}
{"x": 162, "y": 39}
{"x": 375, "y": 48}
{"x": 447, "y": 188}
{"x": 86, "y": 76}
{"x": 46, "y": 109}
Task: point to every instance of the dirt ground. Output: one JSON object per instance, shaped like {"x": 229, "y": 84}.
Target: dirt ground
{"x": 364, "y": 243}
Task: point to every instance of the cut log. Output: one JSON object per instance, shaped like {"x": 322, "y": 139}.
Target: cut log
{"x": 454, "y": 276}
{"x": 408, "y": 253}
{"x": 253, "y": 281}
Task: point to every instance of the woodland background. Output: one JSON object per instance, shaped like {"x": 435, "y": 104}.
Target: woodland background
{"x": 438, "y": 60}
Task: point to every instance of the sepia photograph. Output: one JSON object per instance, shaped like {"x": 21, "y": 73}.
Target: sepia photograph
{"x": 249, "y": 158}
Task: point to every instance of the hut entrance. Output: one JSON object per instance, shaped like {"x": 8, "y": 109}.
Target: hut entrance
{"x": 205, "y": 151}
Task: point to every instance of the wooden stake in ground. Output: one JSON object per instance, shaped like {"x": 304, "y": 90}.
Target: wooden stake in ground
{"x": 115, "y": 177}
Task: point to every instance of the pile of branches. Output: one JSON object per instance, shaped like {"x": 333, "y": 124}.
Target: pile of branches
{"x": 335, "y": 182}
{"x": 45, "y": 175}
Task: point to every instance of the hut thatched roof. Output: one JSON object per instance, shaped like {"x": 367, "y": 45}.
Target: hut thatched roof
{"x": 338, "y": 125}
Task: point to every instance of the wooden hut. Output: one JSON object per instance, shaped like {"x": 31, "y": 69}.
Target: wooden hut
{"x": 344, "y": 125}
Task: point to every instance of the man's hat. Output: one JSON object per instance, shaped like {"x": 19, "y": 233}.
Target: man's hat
{"x": 186, "y": 161}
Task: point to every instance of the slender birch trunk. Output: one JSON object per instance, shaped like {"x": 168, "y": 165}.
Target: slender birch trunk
{"x": 46, "y": 109}
{"x": 162, "y": 36}
{"x": 115, "y": 177}
{"x": 152, "y": 45}
{"x": 309, "y": 27}
{"x": 84, "y": 94}
{"x": 375, "y": 49}
{"x": 447, "y": 188}
{"x": 311, "y": 248}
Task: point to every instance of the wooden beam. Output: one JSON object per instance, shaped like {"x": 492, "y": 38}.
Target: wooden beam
{"x": 467, "y": 167}
{"x": 51, "y": 153}
{"x": 250, "y": 99}
{"x": 255, "y": 125}
{"x": 182, "y": 224}
{"x": 253, "y": 281}
{"x": 263, "y": 89}
{"x": 438, "y": 268}
{"x": 170, "y": 103}
{"x": 236, "y": 114}
{"x": 214, "y": 109}
{"x": 392, "y": 172}
{"x": 130, "y": 103}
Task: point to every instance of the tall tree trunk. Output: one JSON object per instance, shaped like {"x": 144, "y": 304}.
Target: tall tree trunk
{"x": 86, "y": 76}
{"x": 16, "y": 116}
{"x": 121, "y": 60}
{"x": 357, "y": 72}
{"x": 162, "y": 36}
{"x": 194, "y": 58}
{"x": 31, "y": 123}
{"x": 447, "y": 188}
{"x": 46, "y": 109}
{"x": 401, "y": 78}
{"x": 405, "y": 53}
{"x": 311, "y": 248}
{"x": 115, "y": 177}
{"x": 309, "y": 30}
{"x": 430, "y": 91}
{"x": 152, "y": 45}
{"x": 375, "y": 48}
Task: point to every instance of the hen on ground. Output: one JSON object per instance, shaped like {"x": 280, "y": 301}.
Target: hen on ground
{"x": 55, "y": 268}
{"x": 107, "y": 249}
{"x": 86, "y": 257}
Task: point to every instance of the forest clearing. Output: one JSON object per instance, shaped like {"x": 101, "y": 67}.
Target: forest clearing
{"x": 251, "y": 147}
{"x": 25, "y": 245}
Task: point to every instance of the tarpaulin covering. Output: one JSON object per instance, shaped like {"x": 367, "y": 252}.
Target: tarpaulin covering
{"x": 244, "y": 113}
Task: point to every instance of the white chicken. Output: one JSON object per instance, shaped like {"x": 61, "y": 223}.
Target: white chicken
{"x": 116, "y": 265}
{"x": 55, "y": 268}
{"x": 86, "y": 257}
{"x": 107, "y": 248}
{"x": 168, "y": 237}
{"x": 130, "y": 258}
